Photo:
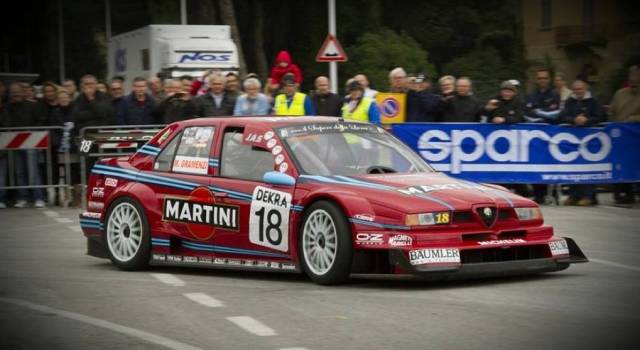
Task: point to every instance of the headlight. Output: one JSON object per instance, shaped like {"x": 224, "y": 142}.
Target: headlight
{"x": 426, "y": 219}
{"x": 531, "y": 213}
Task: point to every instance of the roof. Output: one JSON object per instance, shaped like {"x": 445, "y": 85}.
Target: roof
{"x": 261, "y": 121}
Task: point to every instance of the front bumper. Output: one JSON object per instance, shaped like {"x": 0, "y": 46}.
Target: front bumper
{"x": 492, "y": 269}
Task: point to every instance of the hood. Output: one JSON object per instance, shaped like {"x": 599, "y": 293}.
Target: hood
{"x": 283, "y": 56}
{"x": 430, "y": 191}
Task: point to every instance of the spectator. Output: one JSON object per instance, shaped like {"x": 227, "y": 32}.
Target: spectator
{"x": 118, "y": 103}
{"x": 102, "y": 87}
{"x": 398, "y": 80}
{"x": 155, "y": 88}
{"x": 232, "y": 85}
{"x": 172, "y": 87}
{"x": 22, "y": 113}
{"x": 3, "y": 92}
{"x": 178, "y": 105}
{"x": 358, "y": 107}
{"x": 422, "y": 105}
{"x": 29, "y": 92}
{"x": 118, "y": 78}
{"x": 49, "y": 105}
{"x": 216, "y": 102}
{"x": 139, "y": 105}
{"x": 364, "y": 81}
{"x": 252, "y": 102}
{"x": 62, "y": 113}
{"x": 543, "y": 104}
{"x": 91, "y": 107}
{"x": 561, "y": 88}
{"x": 291, "y": 102}
{"x": 447, "y": 86}
{"x": 625, "y": 107}
{"x": 326, "y": 102}
{"x": 187, "y": 80}
{"x": 70, "y": 86}
{"x": 582, "y": 109}
{"x": 199, "y": 86}
{"x": 463, "y": 106}
{"x": 284, "y": 65}
{"x": 4, "y": 122}
{"x": 507, "y": 107}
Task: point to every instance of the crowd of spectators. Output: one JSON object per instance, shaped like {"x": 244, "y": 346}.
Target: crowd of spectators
{"x": 156, "y": 101}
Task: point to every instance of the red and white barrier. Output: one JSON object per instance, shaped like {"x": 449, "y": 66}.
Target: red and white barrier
{"x": 13, "y": 140}
{"x": 118, "y": 145}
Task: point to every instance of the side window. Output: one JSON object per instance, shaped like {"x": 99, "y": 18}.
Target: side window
{"x": 165, "y": 159}
{"x": 193, "y": 152}
{"x": 242, "y": 161}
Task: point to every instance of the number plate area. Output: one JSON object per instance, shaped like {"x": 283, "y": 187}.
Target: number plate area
{"x": 269, "y": 222}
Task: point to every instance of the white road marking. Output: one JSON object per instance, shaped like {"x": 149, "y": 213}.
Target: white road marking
{"x": 64, "y": 220}
{"x": 252, "y": 325}
{"x": 168, "y": 279}
{"x": 615, "y": 264}
{"x": 204, "y": 299}
{"x": 51, "y": 213}
{"x": 149, "y": 337}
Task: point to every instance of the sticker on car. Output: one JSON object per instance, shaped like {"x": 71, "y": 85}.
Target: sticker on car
{"x": 559, "y": 247}
{"x": 434, "y": 256}
{"x": 269, "y": 221}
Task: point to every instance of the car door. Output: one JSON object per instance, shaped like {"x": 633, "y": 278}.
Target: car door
{"x": 265, "y": 209}
{"x": 182, "y": 174}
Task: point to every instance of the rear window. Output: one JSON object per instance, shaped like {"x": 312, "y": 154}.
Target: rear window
{"x": 193, "y": 152}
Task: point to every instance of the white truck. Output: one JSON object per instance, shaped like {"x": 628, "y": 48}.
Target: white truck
{"x": 172, "y": 51}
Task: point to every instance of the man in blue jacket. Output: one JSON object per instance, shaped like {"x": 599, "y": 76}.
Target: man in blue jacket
{"x": 139, "y": 105}
{"x": 581, "y": 109}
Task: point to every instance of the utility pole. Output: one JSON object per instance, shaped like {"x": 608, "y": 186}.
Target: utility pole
{"x": 61, "y": 69}
{"x": 333, "y": 66}
{"x": 183, "y": 12}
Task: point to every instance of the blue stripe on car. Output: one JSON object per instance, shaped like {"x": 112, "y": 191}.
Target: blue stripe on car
{"x": 223, "y": 249}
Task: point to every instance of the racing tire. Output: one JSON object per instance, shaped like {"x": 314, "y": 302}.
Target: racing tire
{"x": 325, "y": 247}
{"x": 126, "y": 235}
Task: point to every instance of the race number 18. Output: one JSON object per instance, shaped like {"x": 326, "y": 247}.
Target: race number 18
{"x": 272, "y": 230}
{"x": 269, "y": 220}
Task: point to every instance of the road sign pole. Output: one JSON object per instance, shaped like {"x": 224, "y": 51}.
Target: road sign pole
{"x": 333, "y": 66}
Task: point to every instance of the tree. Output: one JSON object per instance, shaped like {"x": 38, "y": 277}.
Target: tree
{"x": 375, "y": 54}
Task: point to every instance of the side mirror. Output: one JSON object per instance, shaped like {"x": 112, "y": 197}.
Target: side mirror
{"x": 278, "y": 178}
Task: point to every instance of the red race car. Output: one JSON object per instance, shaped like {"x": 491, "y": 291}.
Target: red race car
{"x": 317, "y": 195}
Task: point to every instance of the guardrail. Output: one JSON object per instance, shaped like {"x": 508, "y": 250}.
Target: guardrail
{"x": 18, "y": 139}
{"x": 96, "y": 142}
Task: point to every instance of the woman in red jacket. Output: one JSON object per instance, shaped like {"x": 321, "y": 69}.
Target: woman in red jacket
{"x": 283, "y": 66}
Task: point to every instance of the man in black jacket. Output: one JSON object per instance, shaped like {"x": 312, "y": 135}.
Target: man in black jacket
{"x": 326, "y": 103}
{"x": 216, "y": 102}
{"x": 91, "y": 107}
{"x": 464, "y": 106}
{"x": 507, "y": 107}
{"x": 22, "y": 113}
{"x": 138, "y": 106}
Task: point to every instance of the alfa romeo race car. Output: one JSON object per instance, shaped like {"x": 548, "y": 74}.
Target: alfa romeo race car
{"x": 317, "y": 195}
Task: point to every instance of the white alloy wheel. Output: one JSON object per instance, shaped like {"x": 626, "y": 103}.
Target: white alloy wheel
{"x": 319, "y": 242}
{"x": 124, "y": 232}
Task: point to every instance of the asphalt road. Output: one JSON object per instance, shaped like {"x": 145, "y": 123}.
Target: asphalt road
{"x": 54, "y": 296}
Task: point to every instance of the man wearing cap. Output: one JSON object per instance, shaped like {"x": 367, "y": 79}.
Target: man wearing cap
{"x": 422, "y": 105}
{"x": 292, "y": 102}
{"x": 507, "y": 107}
{"x": 358, "y": 107}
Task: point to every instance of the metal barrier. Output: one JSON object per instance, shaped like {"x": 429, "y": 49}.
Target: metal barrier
{"x": 15, "y": 139}
{"x": 96, "y": 142}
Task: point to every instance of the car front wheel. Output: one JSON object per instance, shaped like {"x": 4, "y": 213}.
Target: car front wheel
{"x": 325, "y": 244}
{"x": 127, "y": 235}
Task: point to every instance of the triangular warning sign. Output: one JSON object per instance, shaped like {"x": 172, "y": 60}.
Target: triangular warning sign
{"x": 331, "y": 51}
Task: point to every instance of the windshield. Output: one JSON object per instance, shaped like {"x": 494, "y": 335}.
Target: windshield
{"x": 349, "y": 149}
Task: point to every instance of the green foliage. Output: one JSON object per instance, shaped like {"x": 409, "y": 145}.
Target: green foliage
{"x": 376, "y": 53}
{"x": 486, "y": 70}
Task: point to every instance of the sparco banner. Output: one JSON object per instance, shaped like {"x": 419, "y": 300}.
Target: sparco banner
{"x": 528, "y": 153}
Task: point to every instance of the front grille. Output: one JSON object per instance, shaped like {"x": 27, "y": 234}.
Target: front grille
{"x": 475, "y": 256}
{"x": 462, "y": 217}
{"x": 477, "y": 237}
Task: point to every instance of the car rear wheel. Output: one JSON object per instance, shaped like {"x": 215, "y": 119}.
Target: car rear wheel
{"x": 127, "y": 235}
{"x": 325, "y": 244}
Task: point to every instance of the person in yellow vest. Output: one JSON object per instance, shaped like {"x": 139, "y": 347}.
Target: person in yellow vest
{"x": 360, "y": 108}
{"x": 292, "y": 102}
